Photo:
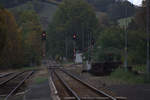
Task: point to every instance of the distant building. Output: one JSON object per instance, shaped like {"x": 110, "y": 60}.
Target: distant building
{"x": 87, "y": 66}
{"x": 78, "y": 58}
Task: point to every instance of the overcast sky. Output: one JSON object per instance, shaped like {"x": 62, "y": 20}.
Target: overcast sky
{"x": 136, "y": 2}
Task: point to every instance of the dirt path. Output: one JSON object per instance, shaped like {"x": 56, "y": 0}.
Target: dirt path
{"x": 132, "y": 92}
{"x": 38, "y": 92}
{"x": 39, "y": 88}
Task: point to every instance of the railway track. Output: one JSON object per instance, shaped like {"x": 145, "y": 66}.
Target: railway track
{"x": 13, "y": 83}
{"x": 70, "y": 87}
{"x": 7, "y": 79}
{"x": 6, "y": 74}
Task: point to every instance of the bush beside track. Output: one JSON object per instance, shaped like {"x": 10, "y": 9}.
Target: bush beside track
{"x": 128, "y": 76}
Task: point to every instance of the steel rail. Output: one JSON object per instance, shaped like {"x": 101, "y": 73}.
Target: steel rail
{"x": 11, "y": 78}
{"x": 88, "y": 85}
{"x": 19, "y": 85}
{"x": 67, "y": 87}
{"x": 4, "y": 75}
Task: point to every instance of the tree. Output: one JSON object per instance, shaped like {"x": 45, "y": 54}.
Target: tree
{"x": 10, "y": 40}
{"x": 140, "y": 17}
{"x": 103, "y": 20}
{"x": 136, "y": 46}
{"x": 137, "y": 37}
{"x": 31, "y": 32}
{"x": 109, "y": 43}
{"x": 72, "y": 16}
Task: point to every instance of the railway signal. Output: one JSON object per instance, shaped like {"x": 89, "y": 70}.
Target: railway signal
{"x": 74, "y": 44}
{"x": 43, "y": 35}
{"x": 74, "y": 36}
{"x": 92, "y": 42}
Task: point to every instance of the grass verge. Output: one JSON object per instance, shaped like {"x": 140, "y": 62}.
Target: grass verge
{"x": 39, "y": 80}
{"x": 128, "y": 77}
{"x": 140, "y": 68}
{"x": 29, "y": 68}
{"x": 67, "y": 63}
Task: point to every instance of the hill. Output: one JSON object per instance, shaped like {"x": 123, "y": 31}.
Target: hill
{"x": 47, "y": 8}
{"x": 13, "y": 3}
{"x": 43, "y": 9}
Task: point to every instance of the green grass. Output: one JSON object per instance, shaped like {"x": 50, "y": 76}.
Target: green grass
{"x": 1, "y": 98}
{"x": 29, "y": 68}
{"x": 128, "y": 77}
{"x": 68, "y": 62}
{"x": 140, "y": 68}
{"x": 40, "y": 80}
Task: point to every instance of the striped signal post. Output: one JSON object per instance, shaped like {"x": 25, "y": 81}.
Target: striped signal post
{"x": 74, "y": 44}
{"x": 43, "y": 44}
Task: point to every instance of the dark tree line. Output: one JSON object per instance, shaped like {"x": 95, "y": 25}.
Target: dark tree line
{"x": 72, "y": 17}
{"x": 111, "y": 39}
{"x": 20, "y": 42}
{"x": 12, "y": 3}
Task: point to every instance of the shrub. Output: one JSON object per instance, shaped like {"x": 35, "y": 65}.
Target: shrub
{"x": 128, "y": 77}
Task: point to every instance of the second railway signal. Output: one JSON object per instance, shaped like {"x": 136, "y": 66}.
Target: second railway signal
{"x": 74, "y": 43}
{"x": 74, "y": 36}
{"x": 92, "y": 42}
{"x": 43, "y": 35}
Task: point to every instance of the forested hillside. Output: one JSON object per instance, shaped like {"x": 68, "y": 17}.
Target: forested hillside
{"x": 96, "y": 19}
{"x": 45, "y": 11}
{"x": 111, "y": 8}
{"x": 114, "y": 8}
{"x": 113, "y": 20}
{"x": 12, "y": 3}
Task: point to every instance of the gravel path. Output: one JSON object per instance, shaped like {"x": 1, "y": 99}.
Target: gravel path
{"x": 132, "y": 92}
{"x": 38, "y": 92}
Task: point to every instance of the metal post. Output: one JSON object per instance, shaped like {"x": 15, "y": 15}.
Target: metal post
{"x": 82, "y": 39}
{"x": 148, "y": 38}
{"x": 74, "y": 50}
{"x": 66, "y": 45}
{"x": 44, "y": 44}
{"x": 44, "y": 50}
{"x": 126, "y": 43}
{"x": 88, "y": 46}
{"x": 43, "y": 47}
